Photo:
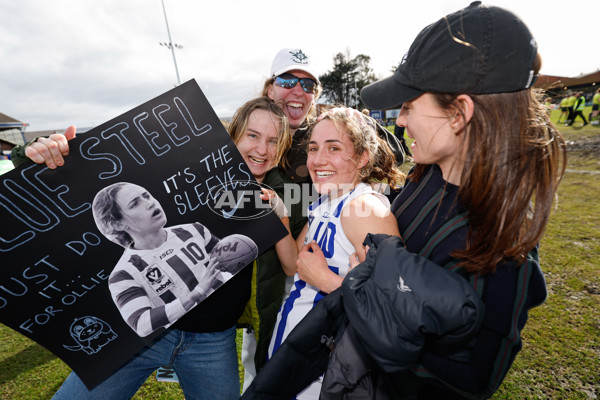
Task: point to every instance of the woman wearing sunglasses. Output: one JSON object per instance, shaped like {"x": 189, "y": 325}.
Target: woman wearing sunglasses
{"x": 294, "y": 86}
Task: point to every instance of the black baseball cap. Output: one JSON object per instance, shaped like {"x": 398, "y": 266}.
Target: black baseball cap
{"x": 476, "y": 50}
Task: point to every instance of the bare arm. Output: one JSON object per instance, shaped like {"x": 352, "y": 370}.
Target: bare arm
{"x": 367, "y": 214}
{"x": 286, "y": 248}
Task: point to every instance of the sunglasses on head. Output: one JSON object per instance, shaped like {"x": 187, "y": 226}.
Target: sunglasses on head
{"x": 288, "y": 81}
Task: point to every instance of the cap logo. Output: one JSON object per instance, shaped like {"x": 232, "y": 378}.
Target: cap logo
{"x": 404, "y": 58}
{"x": 299, "y": 57}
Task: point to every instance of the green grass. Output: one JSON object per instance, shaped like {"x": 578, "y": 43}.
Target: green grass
{"x": 561, "y": 354}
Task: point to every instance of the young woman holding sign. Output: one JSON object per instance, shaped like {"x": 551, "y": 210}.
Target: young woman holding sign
{"x": 201, "y": 346}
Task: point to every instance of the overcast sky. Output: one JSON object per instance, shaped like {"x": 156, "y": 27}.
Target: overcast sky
{"x": 83, "y": 62}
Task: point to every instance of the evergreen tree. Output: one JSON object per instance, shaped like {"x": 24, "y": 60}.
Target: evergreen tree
{"x": 343, "y": 83}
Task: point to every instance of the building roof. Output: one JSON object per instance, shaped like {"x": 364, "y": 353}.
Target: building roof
{"x": 560, "y": 82}
{"x": 10, "y": 120}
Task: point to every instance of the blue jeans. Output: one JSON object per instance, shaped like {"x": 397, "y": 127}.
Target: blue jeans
{"x": 205, "y": 363}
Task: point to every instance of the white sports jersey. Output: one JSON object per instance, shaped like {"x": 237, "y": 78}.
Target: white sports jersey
{"x": 147, "y": 285}
{"x": 325, "y": 227}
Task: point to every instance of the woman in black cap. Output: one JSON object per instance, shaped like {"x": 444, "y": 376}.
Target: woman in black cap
{"x": 476, "y": 204}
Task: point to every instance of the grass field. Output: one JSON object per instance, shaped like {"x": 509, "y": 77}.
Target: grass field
{"x": 561, "y": 354}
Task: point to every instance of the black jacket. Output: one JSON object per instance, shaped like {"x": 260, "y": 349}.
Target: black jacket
{"x": 374, "y": 328}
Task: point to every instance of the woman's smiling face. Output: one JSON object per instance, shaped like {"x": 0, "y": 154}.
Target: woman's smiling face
{"x": 331, "y": 161}
{"x": 295, "y": 102}
{"x": 435, "y": 138}
{"x": 258, "y": 144}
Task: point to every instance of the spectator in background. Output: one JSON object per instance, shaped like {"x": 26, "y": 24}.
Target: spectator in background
{"x": 564, "y": 109}
{"x": 595, "y": 106}
{"x": 578, "y": 108}
{"x": 399, "y": 133}
{"x": 570, "y": 103}
{"x": 290, "y": 67}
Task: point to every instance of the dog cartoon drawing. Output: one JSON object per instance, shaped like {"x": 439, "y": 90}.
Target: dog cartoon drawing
{"x": 91, "y": 334}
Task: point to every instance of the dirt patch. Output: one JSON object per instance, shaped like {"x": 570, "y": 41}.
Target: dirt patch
{"x": 585, "y": 146}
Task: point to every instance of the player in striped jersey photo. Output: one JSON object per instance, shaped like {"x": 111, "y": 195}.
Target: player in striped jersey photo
{"x": 164, "y": 271}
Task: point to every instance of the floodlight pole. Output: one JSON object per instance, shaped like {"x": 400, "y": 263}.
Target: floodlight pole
{"x": 170, "y": 45}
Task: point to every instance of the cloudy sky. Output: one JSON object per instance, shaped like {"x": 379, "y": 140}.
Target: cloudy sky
{"x": 83, "y": 62}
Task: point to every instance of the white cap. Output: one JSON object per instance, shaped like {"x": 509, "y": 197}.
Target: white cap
{"x": 292, "y": 59}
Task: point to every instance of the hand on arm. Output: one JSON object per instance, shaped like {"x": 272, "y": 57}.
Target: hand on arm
{"x": 313, "y": 269}
{"x": 354, "y": 260}
{"x": 51, "y": 150}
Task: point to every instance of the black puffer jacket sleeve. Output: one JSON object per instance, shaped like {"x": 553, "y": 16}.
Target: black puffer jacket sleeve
{"x": 397, "y": 301}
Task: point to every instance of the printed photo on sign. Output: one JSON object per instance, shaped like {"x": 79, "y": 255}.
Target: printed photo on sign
{"x": 164, "y": 271}
{"x": 154, "y": 215}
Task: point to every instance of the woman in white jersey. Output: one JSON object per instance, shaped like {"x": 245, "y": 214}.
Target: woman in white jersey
{"x": 345, "y": 156}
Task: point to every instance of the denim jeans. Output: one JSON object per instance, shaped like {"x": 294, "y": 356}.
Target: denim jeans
{"x": 205, "y": 363}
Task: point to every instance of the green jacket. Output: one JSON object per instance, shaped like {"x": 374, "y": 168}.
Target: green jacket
{"x": 580, "y": 103}
{"x": 17, "y": 154}
{"x": 268, "y": 280}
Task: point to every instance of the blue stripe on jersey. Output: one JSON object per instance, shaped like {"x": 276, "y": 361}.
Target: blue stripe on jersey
{"x": 316, "y": 203}
{"x": 287, "y": 307}
{"x": 184, "y": 272}
{"x": 320, "y": 295}
{"x": 338, "y": 209}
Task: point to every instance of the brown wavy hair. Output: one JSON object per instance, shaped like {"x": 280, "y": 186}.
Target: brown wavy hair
{"x": 514, "y": 160}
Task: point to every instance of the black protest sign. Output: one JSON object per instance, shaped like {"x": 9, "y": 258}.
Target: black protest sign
{"x": 56, "y": 260}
